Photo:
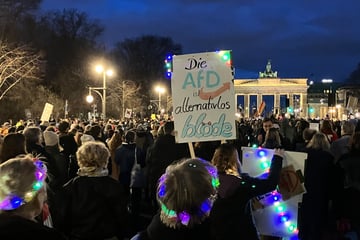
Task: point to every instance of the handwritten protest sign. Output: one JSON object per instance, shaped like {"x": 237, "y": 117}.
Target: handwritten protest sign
{"x": 275, "y": 213}
{"x": 47, "y": 111}
{"x": 203, "y": 97}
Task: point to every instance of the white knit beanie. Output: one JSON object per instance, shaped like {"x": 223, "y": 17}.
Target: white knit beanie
{"x": 50, "y": 138}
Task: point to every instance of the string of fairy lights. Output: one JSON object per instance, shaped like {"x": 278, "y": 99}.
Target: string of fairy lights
{"x": 283, "y": 218}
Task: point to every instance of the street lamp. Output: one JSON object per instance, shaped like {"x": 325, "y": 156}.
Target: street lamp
{"x": 90, "y": 98}
{"x": 160, "y": 90}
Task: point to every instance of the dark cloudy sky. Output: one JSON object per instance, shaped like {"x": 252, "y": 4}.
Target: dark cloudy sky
{"x": 303, "y": 38}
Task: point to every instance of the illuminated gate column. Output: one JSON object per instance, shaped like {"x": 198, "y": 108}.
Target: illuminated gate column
{"x": 246, "y": 105}
{"x": 277, "y": 103}
{"x": 303, "y": 104}
{"x": 259, "y": 100}
{"x": 291, "y": 100}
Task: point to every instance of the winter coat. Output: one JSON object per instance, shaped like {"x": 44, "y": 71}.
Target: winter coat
{"x": 231, "y": 213}
{"x": 18, "y": 228}
{"x": 94, "y": 208}
{"x": 159, "y": 231}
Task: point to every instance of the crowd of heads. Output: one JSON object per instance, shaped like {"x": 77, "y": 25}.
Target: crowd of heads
{"x": 181, "y": 201}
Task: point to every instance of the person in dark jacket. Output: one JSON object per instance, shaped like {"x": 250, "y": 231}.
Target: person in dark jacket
{"x": 160, "y": 155}
{"x": 267, "y": 123}
{"x": 349, "y": 194}
{"x": 34, "y": 145}
{"x": 185, "y": 193}
{"x": 319, "y": 178}
{"x": 94, "y": 206}
{"x": 341, "y": 145}
{"x": 22, "y": 197}
{"x": 126, "y": 156}
{"x": 307, "y": 135}
{"x": 231, "y": 214}
{"x": 51, "y": 140}
{"x": 69, "y": 146}
{"x": 272, "y": 139}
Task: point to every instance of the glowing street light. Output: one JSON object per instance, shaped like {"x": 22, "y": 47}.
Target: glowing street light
{"x": 326, "y": 80}
{"x": 160, "y": 90}
{"x": 105, "y": 72}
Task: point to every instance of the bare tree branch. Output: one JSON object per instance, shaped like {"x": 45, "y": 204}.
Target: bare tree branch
{"x": 19, "y": 63}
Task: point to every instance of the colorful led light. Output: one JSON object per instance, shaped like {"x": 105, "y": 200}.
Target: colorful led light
{"x": 261, "y": 153}
{"x": 205, "y": 207}
{"x": 168, "y": 66}
{"x": 184, "y": 218}
{"x": 265, "y": 165}
{"x": 13, "y": 201}
{"x": 282, "y": 217}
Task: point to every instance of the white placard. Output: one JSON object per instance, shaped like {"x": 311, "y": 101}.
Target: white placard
{"x": 128, "y": 113}
{"x": 46, "y": 114}
{"x": 278, "y": 213}
{"x": 314, "y": 126}
{"x": 203, "y": 97}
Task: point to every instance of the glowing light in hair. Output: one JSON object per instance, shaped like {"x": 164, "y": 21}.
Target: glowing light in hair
{"x": 184, "y": 218}
{"x": 205, "y": 207}
{"x": 13, "y": 201}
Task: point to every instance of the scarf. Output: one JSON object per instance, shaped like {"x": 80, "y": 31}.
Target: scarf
{"x": 93, "y": 172}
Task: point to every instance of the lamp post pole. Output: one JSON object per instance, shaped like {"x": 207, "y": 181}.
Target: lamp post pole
{"x": 104, "y": 96}
{"x": 104, "y": 72}
{"x": 160, "y": 90}
{"x": 123, "y": 99}
{"x": 160, "y": 101}
{"x": 90, "y": 98}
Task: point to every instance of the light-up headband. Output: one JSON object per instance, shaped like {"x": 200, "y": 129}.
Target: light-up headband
{"x": 184, "y": 216}
{"x": 13, "y": 201}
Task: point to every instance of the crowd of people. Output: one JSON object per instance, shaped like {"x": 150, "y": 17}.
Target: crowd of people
{"x": 114, "y": 180}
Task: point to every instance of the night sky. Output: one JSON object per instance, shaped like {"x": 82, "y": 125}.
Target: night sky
{"x": 303, "y": 38}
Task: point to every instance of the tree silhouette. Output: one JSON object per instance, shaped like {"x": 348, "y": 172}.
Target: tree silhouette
{"x": 18, "y": 63}
{"x": 142, "y": 60}
{"x": 122, "y": 95}
{"x": 69, "y": 39}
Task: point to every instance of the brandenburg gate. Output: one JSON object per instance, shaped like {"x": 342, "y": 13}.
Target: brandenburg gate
{"x": 278, "y": 95}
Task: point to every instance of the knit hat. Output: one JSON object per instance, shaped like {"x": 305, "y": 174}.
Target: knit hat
{"x": 50, "y": 138}
{"x": 86, "y": 138}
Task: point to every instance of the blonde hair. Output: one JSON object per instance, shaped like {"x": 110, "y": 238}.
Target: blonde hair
{"x": 21, "y": 180}
{"x": 93, "y": 154}
{"x": 186, "y": 192}
{"x": 319, "y": 141}
{"x": 225, "y": 159}
{"x": 115, "y": 141}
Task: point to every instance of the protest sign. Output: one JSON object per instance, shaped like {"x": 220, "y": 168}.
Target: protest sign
{"x": 128, "y": 113}
{"x": 275, "y": 213}
{"x": 203, "y": 97}
{"x": 47, "y": 111}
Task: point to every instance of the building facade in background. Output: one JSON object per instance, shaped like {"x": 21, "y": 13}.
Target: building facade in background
{"x": 268, "y": 94}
